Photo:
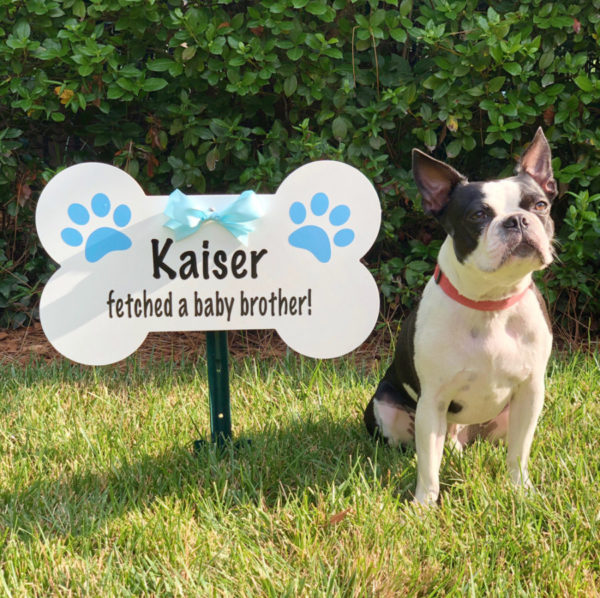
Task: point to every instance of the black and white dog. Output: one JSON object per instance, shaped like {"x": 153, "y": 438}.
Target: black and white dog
{"x": 470, "y": 361}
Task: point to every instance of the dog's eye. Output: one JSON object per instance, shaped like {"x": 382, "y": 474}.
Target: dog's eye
{"x": 540, "y": 206}
{"x": 479, "y": 215}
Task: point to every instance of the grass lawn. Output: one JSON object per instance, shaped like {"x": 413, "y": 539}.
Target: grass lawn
{"x": 101, "y": 494}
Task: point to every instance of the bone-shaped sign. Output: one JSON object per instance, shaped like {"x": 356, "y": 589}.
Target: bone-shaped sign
{"x": 126, "y": 269}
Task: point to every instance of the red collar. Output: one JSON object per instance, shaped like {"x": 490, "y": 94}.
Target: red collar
{"x": 448, "y": 288}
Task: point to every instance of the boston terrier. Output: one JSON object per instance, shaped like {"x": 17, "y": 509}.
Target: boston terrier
{"x": 470, "y": 361}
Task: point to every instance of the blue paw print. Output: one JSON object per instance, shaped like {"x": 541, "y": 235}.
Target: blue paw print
{"x": 104, "y": 239}
{"x": 314, "y": 238}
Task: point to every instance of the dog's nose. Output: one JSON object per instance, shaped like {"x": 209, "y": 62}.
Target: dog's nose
{"x": 516, "y": 221}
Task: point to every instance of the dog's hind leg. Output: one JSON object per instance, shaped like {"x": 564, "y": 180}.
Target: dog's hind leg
{"x": 452, "y": 437}
{"x": 391, "y": 421}
{"x": 494, "y": 430}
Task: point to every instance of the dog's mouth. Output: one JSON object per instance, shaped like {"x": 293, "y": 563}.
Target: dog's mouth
{"x": 524, "y": 248}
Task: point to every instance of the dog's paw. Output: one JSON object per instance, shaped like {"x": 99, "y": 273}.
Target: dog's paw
{"x": 525, "y": 487}
{"x": 426, "y": 498}
{"x": 426, "y": 503}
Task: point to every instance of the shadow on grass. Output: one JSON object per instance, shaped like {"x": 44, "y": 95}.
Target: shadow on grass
{"x": 275, "y": 466}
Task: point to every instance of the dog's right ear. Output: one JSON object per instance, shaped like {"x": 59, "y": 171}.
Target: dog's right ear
{"x": 435, "y": 180}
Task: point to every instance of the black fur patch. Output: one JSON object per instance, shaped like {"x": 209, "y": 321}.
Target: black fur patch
{"x": 402, "y": 369}
{"x": 459, "y": 218}
{"x": 369, "y": 419}
{"x": 454, "y": 407}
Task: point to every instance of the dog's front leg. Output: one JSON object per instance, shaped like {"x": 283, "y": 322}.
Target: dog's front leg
{"x": 525, "y": 408}
{"x": 430, "y": 433}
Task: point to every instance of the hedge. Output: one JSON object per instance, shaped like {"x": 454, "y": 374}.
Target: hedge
{"x": 224, "y": 96}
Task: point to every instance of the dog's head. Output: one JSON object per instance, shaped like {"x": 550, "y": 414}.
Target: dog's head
{"x": 499, "y": 224}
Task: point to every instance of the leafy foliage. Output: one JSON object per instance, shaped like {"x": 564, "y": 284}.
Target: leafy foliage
{"x": 230, "y": 95}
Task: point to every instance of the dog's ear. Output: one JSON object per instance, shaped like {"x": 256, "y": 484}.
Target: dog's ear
{"x": 435, "y": 180}
{"x": 537, "y": 163}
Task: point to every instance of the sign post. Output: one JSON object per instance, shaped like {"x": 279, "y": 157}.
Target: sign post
{"x": 218, "y": 387}
{"x": 130, "y": 264}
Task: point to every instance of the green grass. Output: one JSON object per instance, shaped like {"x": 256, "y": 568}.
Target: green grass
{"x": 101, "y": 495}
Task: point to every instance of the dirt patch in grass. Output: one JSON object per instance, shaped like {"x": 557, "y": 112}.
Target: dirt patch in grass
{"x": 26, "y": 344}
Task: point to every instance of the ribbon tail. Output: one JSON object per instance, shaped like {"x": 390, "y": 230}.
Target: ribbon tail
{"x": 239, "y": 229}
{"x": 237, "y": 216}
{"x": 244, "y": 209}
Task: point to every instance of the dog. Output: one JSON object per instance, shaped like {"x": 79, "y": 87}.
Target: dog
{"x": 470, "y": 361}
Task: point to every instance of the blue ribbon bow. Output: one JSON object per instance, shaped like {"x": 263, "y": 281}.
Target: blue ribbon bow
{"x": 185, "y": 217}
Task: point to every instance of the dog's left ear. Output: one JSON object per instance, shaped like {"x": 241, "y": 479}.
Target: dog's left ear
{"x": 537, "y": 163}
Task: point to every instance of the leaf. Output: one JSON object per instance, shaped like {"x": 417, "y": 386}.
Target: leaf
{"x": 339, "y": 127}
{"x": 132, "y": 167}
{"x": 584, "y": 83}
{"x": 66, "y": 95}
{"x": 126, "y": 84}
{"x": 79, "y": 9}
{"x": 174, "y": 162}
{"x": 443, "y": 63}
{"x": 85, "y": 70}
{"x": 295, "y": 53}
{"x": 188, "y": 53}
{"x": 160, "y": 64}
{"x": 496, "y": 54}
{"x": 561, "y": 22}
{"x": 546, "y": 59}
{"x": 432, "y": 82}
{"x": 22, "y": 30}
{"x": 469, "y": 143}
{"x": 317, "y": 7}
{"x": 154, "y": 84}
{"x": 178, "y": 179}
{"x": 430, "y": 139}
{"x": 277, "y": 8}
{"x": 290, "y": 85}
{"x": 212, "y": 158}
{"x": 398, "y": 34}
{"x": 339, "y": 517}
{"x": 114, "y": 92}
{"x": 362, "y": 21}
{"x": 492, "y": 15}
{"x": 460, "y": 70}
{"x": 426, "y": 112}
{"x": 453, "y": 148}
{"x": 514, "y": 68}
{"x": 495, "y": 84}
{"x": 377, "y": 17}
{"x": 405, "y": 7}
{"x": 475, "y": 91}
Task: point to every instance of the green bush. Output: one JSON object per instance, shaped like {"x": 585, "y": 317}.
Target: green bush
{"x": 228, "y": 95}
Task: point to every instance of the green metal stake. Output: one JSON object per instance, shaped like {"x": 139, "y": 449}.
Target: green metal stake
{"x": 218, "y": 387}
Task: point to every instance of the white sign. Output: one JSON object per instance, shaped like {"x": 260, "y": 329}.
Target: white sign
{"x": 131, "y": 264}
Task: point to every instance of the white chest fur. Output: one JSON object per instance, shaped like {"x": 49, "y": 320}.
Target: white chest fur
{"x": 474, "y": 359}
